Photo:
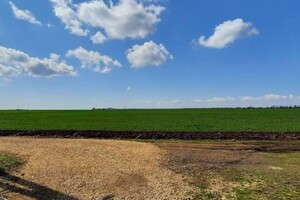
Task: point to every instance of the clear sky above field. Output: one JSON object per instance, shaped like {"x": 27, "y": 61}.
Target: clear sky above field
{"x": 149, "y": 53}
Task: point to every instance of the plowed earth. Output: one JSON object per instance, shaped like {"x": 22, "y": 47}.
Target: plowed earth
{"x": 155, "y": 135}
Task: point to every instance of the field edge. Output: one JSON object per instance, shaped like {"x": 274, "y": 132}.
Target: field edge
{"x": 154, "y": 135}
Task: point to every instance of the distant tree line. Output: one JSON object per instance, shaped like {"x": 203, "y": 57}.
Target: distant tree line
{"x": 269, "y": 107}
{"x": 295, "y": 106}
{"x": 249, "y": 107}
{"x": 102, "y": 108}
{"x": 272, "y": 107}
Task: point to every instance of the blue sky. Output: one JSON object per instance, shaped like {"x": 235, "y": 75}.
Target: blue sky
{"x": 63, "y": 54}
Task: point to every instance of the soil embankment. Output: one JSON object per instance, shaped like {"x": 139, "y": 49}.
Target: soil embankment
{"x": 155, "y": 135}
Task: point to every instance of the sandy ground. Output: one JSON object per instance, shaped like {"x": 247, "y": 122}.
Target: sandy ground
{"x": 89, "y": 169}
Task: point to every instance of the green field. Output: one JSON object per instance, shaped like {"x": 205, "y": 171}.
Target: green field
{"x": 272, "y": 120}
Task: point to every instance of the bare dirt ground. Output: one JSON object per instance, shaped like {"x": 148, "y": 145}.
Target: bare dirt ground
{"x": 89, "y": 169}
{"x": 116, "y": 169}
{"x": 237, "y": 169}
{"x": 200, "y": 157}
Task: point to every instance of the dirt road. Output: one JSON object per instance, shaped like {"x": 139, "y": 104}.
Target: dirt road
{"x": 89, "y": 169}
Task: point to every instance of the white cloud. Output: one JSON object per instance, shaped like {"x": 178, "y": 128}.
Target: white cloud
{"x": 125, "y": 19}
{"x": 228, "y": 32}
{"x": 63, "y": 10}
{"x": 15, "y": 62}
{"x": 268, "y": 97}
{"x": 25, "y": 15}
{"x": 220, "y": 99}
{"x": 98, "y": 38}
{"x": 7, "y": 71}
{"x": 169, "y": 102}
{"x": 215, "y": 100}
{"x": 148, "y": 54}
{"x": 278, "y": 97}
{"x": 49, "y": 25}
{"x": 152, "y": 1}
{"x": 245, "y": 101}
{"x": 158, "y": 103}
{"x": 93, "y": 60}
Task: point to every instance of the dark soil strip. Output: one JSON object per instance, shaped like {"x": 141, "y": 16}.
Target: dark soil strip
{"x": 155, "y": 135}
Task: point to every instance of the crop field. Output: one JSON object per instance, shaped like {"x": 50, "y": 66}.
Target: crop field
{"x": 191, "y": 120}
{"x": 81, "y": 168}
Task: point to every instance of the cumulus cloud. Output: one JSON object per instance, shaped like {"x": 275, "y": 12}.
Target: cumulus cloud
{"x": 148, "y": 54}
{"x": 228, "y": 32}
{"x": 128, "y": 18}
{"x": 25, "y": 15}
{"x": 98, "y": 38}
{"x": 63, "y": 10}
{"x": 125, "y": 19}
{"x": 7, "y": 71}
{"x": 93, "y": 60}
{"x": 14, "y": 62}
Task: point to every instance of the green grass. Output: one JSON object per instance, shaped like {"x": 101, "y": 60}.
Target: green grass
{"x": 257, "y": 181}
{"x": 263, "y": 182}
{"x": 206, "y": 195}
{"x": 272, "y": 120}
{"x": 9, "y": 162}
